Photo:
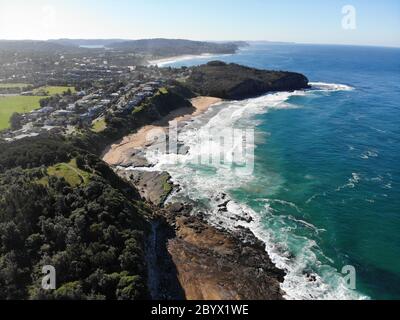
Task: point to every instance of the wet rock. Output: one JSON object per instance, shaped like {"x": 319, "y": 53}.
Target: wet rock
{"x": 176, "y": 207}
{"x": 153, "y": 186}
{"x": 311, "y": 277}
{"x": 136, "y": 160}
{"x": 247, "y": 219}
{"x": 223, "y": 207}
{"x": 183, "y": 150}
{"x": 212, "y": 264}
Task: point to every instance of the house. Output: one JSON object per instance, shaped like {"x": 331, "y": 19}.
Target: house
{"x": 45, "y": 110}
{"x": 61, "y": 113}
{"x": 95, "y": 111}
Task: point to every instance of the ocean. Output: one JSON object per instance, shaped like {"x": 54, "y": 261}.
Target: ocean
{"x": 324, "y": 193}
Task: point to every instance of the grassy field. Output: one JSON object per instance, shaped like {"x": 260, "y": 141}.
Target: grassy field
{"x": 99, "y": 125}
{"x": 52, "y": 90}
{"x": 163, "y": 90}
{"x": 20, "y": 104}
{"x": 70, "y": 172}
{"x": 24, "y": 104}
{"x": 13, "y": 85}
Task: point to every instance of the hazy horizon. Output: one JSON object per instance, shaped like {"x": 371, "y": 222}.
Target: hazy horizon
{"x": 237, "y": 40}
{"x": 311, "y": 21}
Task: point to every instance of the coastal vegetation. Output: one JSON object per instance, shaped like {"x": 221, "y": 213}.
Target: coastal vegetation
{"x": 61, "y": 205}
{"x": 99, "y": 125}
{"x": 163, "y": 90}
{"x": 83, "y": 220}
{"x": 34, "y": 152}
{"x": 70, "y": 173}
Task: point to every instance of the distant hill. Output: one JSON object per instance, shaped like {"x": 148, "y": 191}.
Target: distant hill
{"x": 31, "y": 46}
{"x": 266, "y": 42}
{"x": 172, "y": 47}
{"x": 233, "y": 81}
{"x": 238, "y": 43}
{"x": 86, "y": 42}
{"x": 149, "y": 47}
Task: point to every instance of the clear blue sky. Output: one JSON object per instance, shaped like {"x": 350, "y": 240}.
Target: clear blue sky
{"x": 308, "y": 21}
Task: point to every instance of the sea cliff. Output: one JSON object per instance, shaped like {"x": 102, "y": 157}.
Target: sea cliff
{"x": 187, "y": 257}
{"x": 233, "y": 81}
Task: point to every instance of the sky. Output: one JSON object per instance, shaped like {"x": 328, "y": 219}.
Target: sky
{"x": 307, "y": 21}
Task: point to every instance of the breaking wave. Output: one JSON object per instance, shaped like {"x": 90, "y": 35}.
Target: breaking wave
{"x": 209, "y": 187}
{"x": 330, "y": 86}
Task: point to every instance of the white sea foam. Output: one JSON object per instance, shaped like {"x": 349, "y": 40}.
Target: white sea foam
{"x": 351, "y": 182}
{"x": 306, "y": 224}
{"x": 369, "y": 154}
{"x": 209, "y": 187}
{"x": 287, "y": 203}
{"x": 172, "y": 60}
{"x": 330, "y": 86}
{"x": 388, "y": 186}
{"x": 313, "y": 197}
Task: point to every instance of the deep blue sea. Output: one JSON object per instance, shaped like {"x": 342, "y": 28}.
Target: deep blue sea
{"x": 325, "y": 191}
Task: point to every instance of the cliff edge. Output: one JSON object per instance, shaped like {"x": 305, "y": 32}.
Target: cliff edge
{"x": 233, "y": 81}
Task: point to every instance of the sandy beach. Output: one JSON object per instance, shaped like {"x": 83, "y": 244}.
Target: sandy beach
{"x": 121, "y": 151}
{"x": 164, "y": 61}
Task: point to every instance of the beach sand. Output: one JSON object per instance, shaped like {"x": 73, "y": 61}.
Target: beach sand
{"x": 190, "y": 252}
{"x": 121, "y": 151}
{"x": 164, "y": 61}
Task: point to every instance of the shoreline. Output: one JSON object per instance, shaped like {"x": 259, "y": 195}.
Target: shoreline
{"x": 122, "y": 150}
{"x": 195, "y": 259}
{"x": 163, "y": 61}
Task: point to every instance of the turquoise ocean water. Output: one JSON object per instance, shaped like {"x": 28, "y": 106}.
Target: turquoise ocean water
{"x": 325, "y": 191}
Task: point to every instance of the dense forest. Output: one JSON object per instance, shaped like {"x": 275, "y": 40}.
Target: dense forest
{"x": 60, "y": 205}
{"x": 64, "y": 207}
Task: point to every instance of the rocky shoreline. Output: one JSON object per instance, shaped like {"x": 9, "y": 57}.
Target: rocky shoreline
{"x": 188, "y": 258}
{"x": 193, "y": 260}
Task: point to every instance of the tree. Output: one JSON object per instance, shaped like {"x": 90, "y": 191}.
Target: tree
{"x": 68, "y": 92}
{"x": 16, "y": 121}
{"x": 93, "y": 234}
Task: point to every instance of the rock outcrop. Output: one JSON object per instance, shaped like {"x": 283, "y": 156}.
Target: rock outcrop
{"x": 207, "y": 263}
{"x": 153, "y": 186}
{"x": 233, "y": 81}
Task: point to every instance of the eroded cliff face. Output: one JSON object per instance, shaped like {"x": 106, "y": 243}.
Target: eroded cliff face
{"x": 233, "y": 81}
{"x": 196, "y": 261}
{"x": 188, "y": 258}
